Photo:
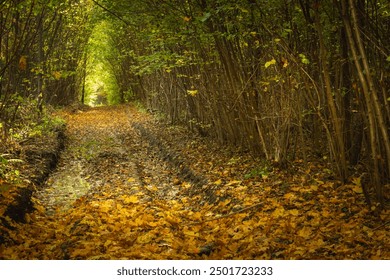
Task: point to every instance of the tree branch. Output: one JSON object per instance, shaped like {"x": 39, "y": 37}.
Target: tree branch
{"x": 112, "y": 13}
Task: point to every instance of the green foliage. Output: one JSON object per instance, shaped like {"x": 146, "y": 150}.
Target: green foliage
{"x": 261, "y": 171}
{"x": 8, "y": 172}
{"x": 46, "y": 125}
{"x": 304, "y": 59}
{"x": 140, "y": 106}
{"x": 31, "y": 122}
{"x": 102, "y": 65}
{"x": 41, "y": 43}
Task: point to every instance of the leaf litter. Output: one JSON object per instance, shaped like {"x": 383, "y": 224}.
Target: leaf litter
{"x": 129, "y": 186}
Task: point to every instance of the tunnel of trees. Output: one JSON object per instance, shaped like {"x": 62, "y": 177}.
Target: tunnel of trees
{"x": 284, "y": 79}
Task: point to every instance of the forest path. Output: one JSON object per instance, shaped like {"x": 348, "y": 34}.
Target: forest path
{"x": 130, "y": 187}
{"x": 104, "y": 149}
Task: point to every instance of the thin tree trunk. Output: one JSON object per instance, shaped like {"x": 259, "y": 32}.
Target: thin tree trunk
{"x": 374, "y": 95}
{"x": 338, "y": 150}
{"x": 84, "y": 78}
{"x": 358, "y": 54}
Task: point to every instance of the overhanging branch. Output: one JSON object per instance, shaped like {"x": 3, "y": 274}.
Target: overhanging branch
{"x": 112, "y": 13}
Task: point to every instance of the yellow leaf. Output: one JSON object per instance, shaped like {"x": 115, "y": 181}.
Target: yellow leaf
{"x": 384, "y": 214}
{"x": 368, "y": 231}
{"x": 148, "y": 217}
{"x": 305, "y": 232}
{"x": 153, "y": 224}
{"x": 139, "y": 222}
{"x": 294, "y": 212}
{"x": 318, "y": 242}
{"x": 290, "y": 196}
{"x": 216, "y": 229}
{"x": 105, "y": 207}
{"x": 56, "y": 75}
{"x": 319, "y": 182}
{"x": 325, "y": 214}
{"x": 146, "y": 238}
{"x": 238, "y": 236}
{"x": 192, "y": 92}
{"x": 191, "y": 233}
{"x": 131, "y": 179}
{"x": 218, "y": 182}
{"x": 234, "y": 182}
{"x": 269, "y": 63}
{"x": 224, "y": 203}
{"x": 82, "y": 252}
{"x": 130, "y": 199}
{"x": 40, "y": 208}
{"x": 107, "y": 243}
{"x": 197, "y": 216}
{"x": 152, "y": 188}
{"x": 172, "y": 220}
{"x": 357, "y": 189}
{"x": 357, "y": 181}
{"x": 279, "y": 212}
{"x": 285, "y": 62}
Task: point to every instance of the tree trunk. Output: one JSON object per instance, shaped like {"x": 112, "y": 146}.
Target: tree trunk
{"x": 377, "y": 127}
{"x": 338, "y": 148}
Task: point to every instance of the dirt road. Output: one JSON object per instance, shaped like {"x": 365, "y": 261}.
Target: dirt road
{"x": 129, "y": 187}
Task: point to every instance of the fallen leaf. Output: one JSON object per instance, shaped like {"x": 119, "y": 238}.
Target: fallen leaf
{"x": 130, "y": 199}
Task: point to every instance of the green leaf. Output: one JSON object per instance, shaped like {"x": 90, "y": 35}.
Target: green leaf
{"x": 205, "y": 17}
{"x": 304, "y": 59}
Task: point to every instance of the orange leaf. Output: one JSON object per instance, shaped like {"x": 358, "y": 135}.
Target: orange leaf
{"x": 23, "y": 63}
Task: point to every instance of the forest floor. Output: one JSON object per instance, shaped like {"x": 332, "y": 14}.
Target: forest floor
{"x": 128, "y": 186}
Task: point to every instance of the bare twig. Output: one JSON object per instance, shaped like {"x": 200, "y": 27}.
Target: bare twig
{"x": 229, "y": 214}
{"x": 112, "y": 13}
{"x": 382, "y": 225}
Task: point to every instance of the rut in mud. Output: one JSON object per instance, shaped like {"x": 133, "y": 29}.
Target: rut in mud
{"x": 129, "y": 187}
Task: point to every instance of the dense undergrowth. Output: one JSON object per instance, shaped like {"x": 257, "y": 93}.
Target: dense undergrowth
{"x": 27, "y": 155}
